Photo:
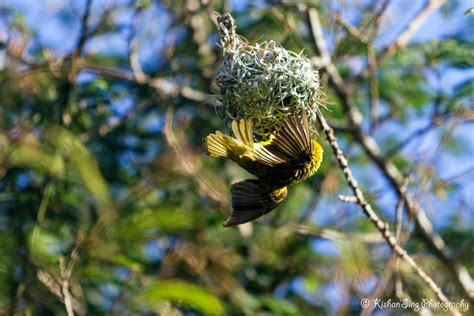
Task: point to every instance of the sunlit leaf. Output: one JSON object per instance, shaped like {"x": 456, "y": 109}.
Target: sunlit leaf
{"x": 84, "y": 162}
{"x": 180, "y": 292}
{"x": 279, "y": 306}
{"x": 33, "y": 157}
{"x": 148, "y": 223}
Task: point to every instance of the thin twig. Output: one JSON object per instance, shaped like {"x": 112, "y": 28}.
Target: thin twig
{"x": 55, "y": 288}
{"x": 409, "y": 139}
{"x": 84, "y": 34}
{"x": 373, "y": 84}
{"x": 66, "y": 272}
{"x": 376, "y": 19}
{"x": 350, "y": 29}
{"x": 381, "y": 226}
{"x": 347, "y": 198}
{"x": 65, "y": 276}
{"x": 390, "y": 171}
{"x": 391, "y": 268}
{"x": 134, "y": 61}
{"x": 404, "y": 37}
{"x": 331, "y": 234}
{"x": 399, "y": 213}
{"x": 162, "y": 86}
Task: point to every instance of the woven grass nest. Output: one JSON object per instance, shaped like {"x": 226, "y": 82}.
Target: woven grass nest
{"x": 264, "y": 82}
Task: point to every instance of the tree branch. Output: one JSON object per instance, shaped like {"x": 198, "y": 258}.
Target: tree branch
{"x": 390, "y": 171}
{"x": 381, "y": 226}
{"x": 84, "y": 29}
{"x": 162, "y": 86}
{"x": 404, "y": 37}
{"x": 370, "y": 238}
{"x": 65, "y": 276}
{"x": 133, "y": 47}
{"x": 54, "y": 287}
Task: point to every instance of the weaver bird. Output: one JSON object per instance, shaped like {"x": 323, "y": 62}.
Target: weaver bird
{"x": 287, "y": 157}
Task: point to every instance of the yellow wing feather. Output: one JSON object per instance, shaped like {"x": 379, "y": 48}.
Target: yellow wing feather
{"x": 240, "y": 147}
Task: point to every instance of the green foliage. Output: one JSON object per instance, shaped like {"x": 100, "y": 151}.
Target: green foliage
{"x": 404, "y": 86}
{"x": 148, "y": 224}
{"x": 182, "y": 293}
{"x": 97, "y": 189}
{"x": 280, "y": 307}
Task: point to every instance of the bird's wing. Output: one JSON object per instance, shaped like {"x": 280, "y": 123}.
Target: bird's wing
{"x": 243, "y": 133}
{"x": 264, "y": 156}
{"x": 292, "y": 143}
{"x": 250, "y": 201}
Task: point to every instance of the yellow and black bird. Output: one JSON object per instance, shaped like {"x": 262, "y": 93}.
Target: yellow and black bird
{"x": 287, "y": 157}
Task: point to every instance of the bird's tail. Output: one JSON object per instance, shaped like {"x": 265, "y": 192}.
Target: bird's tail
{"x": 250, "y": 201}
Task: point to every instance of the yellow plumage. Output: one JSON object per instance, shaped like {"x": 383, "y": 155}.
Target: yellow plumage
{"x": 287, "y": 157}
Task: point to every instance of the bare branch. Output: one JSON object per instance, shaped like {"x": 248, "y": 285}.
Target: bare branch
{"x": 371, "y": 238}
{"x": 409, "y": 139}
{"x": 390, "y": 171}
{"x": 381, "y": 226}
{"x": 405, "y": 36}
{"x": 162, "y": 86}
{"x": 317, "y": 32}
{"x": 55, "y": 288}
{"x": 399, "y": 213}
{"x": 133, "y": 47}
{"x": 371, "y": 58}
{"x": 347, "y": 198}
{"x": 376, "y": 19}
{"x": 350, "y": 29}
{"x": 373, "y": 84}
{"x": 65, "y": 276}
{"x": 84, "y": 29}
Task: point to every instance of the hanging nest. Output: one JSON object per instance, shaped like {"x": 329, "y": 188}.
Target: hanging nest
{"x": 264, "y": 82}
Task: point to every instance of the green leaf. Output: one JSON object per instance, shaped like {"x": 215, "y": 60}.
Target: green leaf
{"x": 404, "y": 86}
{"x": 145, "y": 224}
{"x": 45, "y": 247}
{"x": 355, "y": 259}
{"x": 280, "y": 306}
{"x": 127, "y": 262}
{"x": 83, "y": 162}
{"x": 464, "y": 89}
{"x": 449, "y": 52}
{"x": 32, "y": 156}
{"x": 180, "y": 292}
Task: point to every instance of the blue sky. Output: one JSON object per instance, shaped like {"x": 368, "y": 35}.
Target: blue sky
{"x": 56, "y": 23}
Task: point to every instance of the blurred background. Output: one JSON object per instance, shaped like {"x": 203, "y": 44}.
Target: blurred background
{"x": 109, "y": 206}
